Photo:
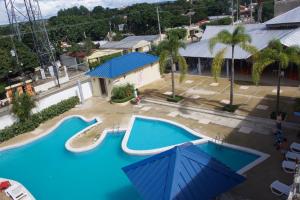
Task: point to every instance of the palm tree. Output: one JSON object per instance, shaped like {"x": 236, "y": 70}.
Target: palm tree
{"x": 275, "y": 53}
{"x": 237, "y": 38}
{"x": 169, "y": 52}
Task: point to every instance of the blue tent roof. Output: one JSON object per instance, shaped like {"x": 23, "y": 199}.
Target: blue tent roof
{"x": 122, "y": 65}
{"x": 184, "y": 172}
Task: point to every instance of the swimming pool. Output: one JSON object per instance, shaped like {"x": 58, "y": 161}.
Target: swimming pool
{"x": 147, "y": 134}
{"x": 233, "y": 158}
{"x": 50, "y": 172}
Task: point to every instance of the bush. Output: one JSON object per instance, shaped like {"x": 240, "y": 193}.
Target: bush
{"x": 273, "y": 115}
{"x": 36, "y": 119}
{"x": 119, "y": 93}
{"x": 2, "y": 91}
{"x": 122, "y": 100}
{"x": 22, "y": 106}
{"x": 297, "y": 105}
{"x": 176, "y": 99}
{"x": 181, "y": 33}
{"x": 230, "y": 108}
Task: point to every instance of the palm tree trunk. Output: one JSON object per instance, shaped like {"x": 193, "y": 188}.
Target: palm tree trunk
{"x": 232, "y": 76}
{"x": 278, "y": 90}
{"x": 173, "y": 79}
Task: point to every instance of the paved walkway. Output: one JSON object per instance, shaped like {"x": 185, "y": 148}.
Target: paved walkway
{"x": 259, "y": 178}
{"x": 246, "y": 124}
{"x": 203, "y": 92}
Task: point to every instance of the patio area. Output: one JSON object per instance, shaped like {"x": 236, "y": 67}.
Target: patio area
{"x": 259, "y": 178}
{"x": 204, "y": 92}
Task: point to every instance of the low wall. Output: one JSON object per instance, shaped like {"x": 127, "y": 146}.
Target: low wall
{"x": 50, "y": 84}
{"x": 7, "y": 120}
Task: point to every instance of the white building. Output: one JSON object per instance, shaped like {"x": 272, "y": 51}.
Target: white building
{"x": 135, "y": 68}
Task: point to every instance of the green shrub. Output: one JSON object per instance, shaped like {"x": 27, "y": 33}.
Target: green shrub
{"x": 2, "y": 91}
{"x": 22, "y": 106}
{"x": 274, "y": 115}
{"x": 230, "y": 108}
{"x": 297, "y": 105}
{"x": 176, "y": 99}
{"x": 36, "y": 119}
{"x": 122, "y": 100}
{"x": 122, "y": 92}
{"x": 181, "y": 33}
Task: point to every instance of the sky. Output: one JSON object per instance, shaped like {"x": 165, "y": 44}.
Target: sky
{"x": 50, "y": 7}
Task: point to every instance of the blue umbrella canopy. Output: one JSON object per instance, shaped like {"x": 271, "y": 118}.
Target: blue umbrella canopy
{"x": 184, "y": 172}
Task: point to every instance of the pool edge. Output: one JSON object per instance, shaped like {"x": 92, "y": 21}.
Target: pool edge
{"x": 204, "y": 138}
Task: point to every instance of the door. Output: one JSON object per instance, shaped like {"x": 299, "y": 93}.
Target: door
{"x": 103, "y": 86}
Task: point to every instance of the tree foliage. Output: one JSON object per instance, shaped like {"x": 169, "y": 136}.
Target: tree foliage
{"x": 22, "y": 106}
{"x": 238, "y": 37}
{"x": 169, "y": 52}
{"x": 274, "y": 53}
{"x": 27, "y": 59}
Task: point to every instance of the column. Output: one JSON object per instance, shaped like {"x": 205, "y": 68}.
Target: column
{"x": 199, "y": 67}
{"x": 227, "y": 68}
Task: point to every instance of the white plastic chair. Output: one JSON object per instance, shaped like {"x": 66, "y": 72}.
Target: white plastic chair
{"x": 295, "y": 147}
{"x": 292, "y": 156}
{"x": 17, "y": 192}
{"x": 288, "y": 166}
{"x": 278, "y": 188}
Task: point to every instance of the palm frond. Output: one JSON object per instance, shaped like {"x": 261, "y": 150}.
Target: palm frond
{"x": 183, "y": 67}
{"x": 258, "y": 68}
{"x": 293, "y": 53}
{"x": 217, "y": 63}
{"x": 238, "y": 30}
{"x": 276, "y": 45}
{"x": 223, "y": 37}
{"x": 163, "y": 45}
{"x": 249, "y": 48}
{"x": 241, "y": 38}
{"x": 283, "y": 59}
{"x": 163, "y": 60}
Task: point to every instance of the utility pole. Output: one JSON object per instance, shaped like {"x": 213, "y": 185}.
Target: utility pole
{"x": 29, "y": 13}
{"x": 232, "y": 12}
{"x": 251, "y": 14}
{"x": 158, "y": 21}
{"x": 237, "y": 10}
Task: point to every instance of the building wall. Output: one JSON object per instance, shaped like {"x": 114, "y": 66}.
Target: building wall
{"x": 139, "y": 78}
{"x": 43, "y": 103}
{"x": 96, "y": 90}
{"x": 283, "y": 6}
{"x": 52, "y": 83}
{"x": 67, "y": 60}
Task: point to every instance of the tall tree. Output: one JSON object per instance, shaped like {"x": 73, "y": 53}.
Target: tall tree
{"x": 5, "y": 63}
{"x": 278, "y": 54}
{"x": 169, "y": 52}
{"x": 238, "y": 37}
{"x": 22, "y": 106}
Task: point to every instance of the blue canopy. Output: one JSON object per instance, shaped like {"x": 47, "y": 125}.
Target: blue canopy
{"x": 183, "y": 172}
{"x": 122, "y": 65}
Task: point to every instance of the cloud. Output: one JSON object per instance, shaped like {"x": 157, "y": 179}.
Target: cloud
{"x": 50, "y": 7}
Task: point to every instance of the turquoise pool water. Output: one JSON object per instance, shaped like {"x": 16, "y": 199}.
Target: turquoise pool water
{"x": 233, "y": 158}
{"x": 149, "y": 134}
{"x": 50, "y": 172}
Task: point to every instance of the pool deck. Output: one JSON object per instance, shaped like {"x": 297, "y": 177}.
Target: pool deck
{"x": 259, "y": 178}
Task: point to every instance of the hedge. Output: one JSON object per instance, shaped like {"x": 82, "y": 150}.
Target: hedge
{"x": 175, "y": 100}
{"x": 38, "y": 118}
{"x": 122, "y": 100}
